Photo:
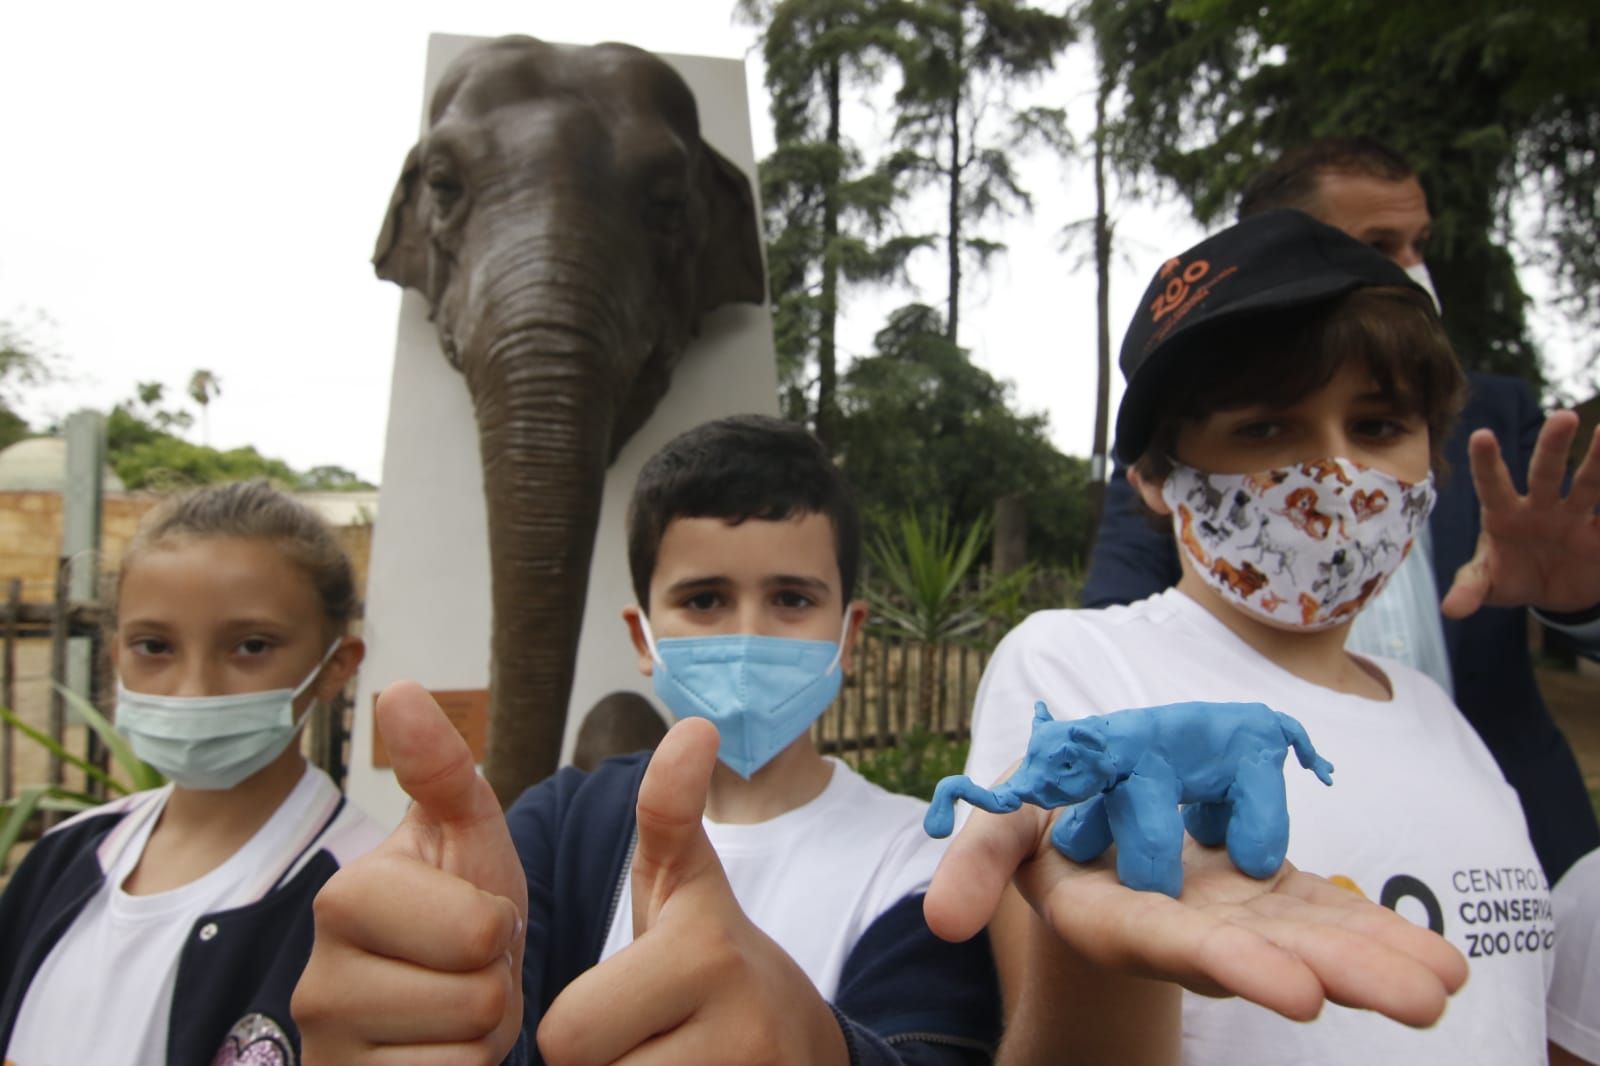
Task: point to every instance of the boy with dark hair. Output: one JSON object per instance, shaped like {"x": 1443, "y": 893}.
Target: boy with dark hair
{"x": 1288, "y": 390}
{"x": 1477, "y": 650}
{"x": 764, "y": 909}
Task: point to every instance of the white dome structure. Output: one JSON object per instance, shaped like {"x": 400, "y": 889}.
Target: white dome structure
{"x": 39, "y": 464}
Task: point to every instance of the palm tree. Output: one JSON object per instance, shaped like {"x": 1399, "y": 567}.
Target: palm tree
{"x": 203, "y": 385}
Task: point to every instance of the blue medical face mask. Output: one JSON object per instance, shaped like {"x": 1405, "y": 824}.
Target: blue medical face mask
{"x": 213, "y": 742}
{"x": 761, "y": 693}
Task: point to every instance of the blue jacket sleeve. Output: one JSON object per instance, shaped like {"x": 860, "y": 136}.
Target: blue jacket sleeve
{"x": 1132, "y": 558}
{"x": 535, "y": 822}
{"x": 907, "y": 998}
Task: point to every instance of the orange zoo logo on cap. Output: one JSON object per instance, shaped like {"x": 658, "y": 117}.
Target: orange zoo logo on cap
{"x": 1177, "y": 287}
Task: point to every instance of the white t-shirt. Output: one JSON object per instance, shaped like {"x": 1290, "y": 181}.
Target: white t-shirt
{"x": 1574, "y": 1013}
{"x": 814, "y": 878}
{"x": 1419, "y": 815}
{"x": 104, "y": 993}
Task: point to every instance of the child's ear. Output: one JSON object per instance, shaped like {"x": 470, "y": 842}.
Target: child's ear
{"x": 857, "y": 613}
{"x": 634, "y": 618}
{"x": 1149, "y": 491}
{"x": 340, "y": 669}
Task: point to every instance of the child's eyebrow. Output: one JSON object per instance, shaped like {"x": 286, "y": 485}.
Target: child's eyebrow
{"x": 247, "y": 622}
{"x": 1383, "y": 398}
{"x": 143, "y": 623}
{"x": 697, "y": 584}
{"x": 789, "y": 581}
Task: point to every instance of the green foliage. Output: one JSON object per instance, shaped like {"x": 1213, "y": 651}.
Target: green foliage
{"x": 957, "y": 123}
{"x": 146, "y": 456}
{"x": 333, "y": 479}
{"x": 141, "y": 775}
{"x": 920, "y": 578}
{"x": 924, "y": 430}
{"x": 25, "y": 362}
{"x": 144, "y": 448}
{"x": 203, "y": 386}
{"x": 35, "y": 798}
{"x": 1490, "y": 100}
{"x": 143, "y": 433}
{"x": 148, "y": 398}
{"x": 916, "y": 764}
{"x": 922, "y": 584}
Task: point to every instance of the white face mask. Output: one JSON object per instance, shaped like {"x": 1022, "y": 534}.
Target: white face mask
{"x": 213, "y": 742}
{"x": 1419, "y": 274}
{"x": 1304, "y": 546}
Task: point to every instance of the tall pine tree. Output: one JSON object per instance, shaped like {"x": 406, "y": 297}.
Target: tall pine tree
{"x": 957, "y": 124}
{"x": 830, "y": 217}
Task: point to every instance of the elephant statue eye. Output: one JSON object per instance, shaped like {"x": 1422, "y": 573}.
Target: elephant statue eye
{"x": 666, "y": 206}
{"x": 445, "y": 190}
{"x": 667, "y": 214}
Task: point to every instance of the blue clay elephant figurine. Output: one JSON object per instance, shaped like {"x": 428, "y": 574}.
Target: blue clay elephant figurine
{"x": 1128, "y": 773}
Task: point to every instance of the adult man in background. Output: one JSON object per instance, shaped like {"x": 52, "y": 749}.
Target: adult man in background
{"x": 1478, "y": 648}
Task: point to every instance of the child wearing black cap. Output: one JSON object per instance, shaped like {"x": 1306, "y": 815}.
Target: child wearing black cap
{"x": 1289, "y": 390}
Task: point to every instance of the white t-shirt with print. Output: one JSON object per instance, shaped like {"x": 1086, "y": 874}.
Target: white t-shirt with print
{"x": 104, "y": 993}
{"x": 1419, "y": 815}
{"x": 1574, "y": 1013}
{"x": 814, "y": 878}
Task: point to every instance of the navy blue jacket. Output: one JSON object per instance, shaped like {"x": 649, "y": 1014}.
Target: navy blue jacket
{"x": 237, "y": 970}
{"x": 904, "y": 997}
{"x": 1489, "y": 658}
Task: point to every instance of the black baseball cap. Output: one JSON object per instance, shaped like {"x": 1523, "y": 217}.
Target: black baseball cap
{"x": 1269, "y": 262}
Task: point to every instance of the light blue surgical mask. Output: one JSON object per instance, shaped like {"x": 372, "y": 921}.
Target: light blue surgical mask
{"x": 761, "y": 693}
{"x": 213, "y": 742}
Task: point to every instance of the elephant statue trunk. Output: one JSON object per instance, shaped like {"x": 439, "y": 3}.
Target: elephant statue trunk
{"x": 533, "y": 430}
{"x": 568, "y": 227}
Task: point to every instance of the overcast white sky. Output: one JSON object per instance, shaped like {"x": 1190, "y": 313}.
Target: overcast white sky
{"x": 199, "y": 185}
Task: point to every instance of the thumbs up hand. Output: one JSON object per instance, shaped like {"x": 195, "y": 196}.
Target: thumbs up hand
{"x": 700, "y": 983}
{"x": 420, "y": 942}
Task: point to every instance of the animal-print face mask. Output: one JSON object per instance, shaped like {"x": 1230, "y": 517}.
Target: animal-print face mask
{"x": 1304, "y": 546}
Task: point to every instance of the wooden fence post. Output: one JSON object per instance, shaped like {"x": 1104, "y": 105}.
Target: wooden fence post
{"x": 60, "y": 629}
{"x": 8, "y": 690}
{"x": 882, "y": 738}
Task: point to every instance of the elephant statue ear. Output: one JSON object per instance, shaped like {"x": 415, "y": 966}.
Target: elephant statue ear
{"x": 730, "y": 268}
{"x": 401, "y": 253}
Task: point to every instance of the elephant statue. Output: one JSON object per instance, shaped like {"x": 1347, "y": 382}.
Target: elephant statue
{"x": 1125, "y": 775}
{"x": 568, "y": 227}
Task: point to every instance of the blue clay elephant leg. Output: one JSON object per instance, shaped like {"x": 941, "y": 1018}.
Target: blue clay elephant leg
{"x": 1258, "y": 832}
{"x": 1149, "y": 834}
{"x": 1208, "y": 822}
{"x": 1083, "y": 831}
